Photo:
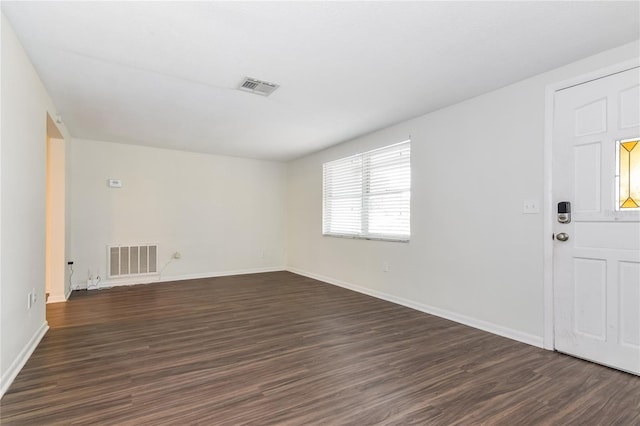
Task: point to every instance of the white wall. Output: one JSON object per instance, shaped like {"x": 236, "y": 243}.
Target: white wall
{"x": 223, "y": 214}
{"x": 473, "y": 256}
{"x": 25, "y": 104}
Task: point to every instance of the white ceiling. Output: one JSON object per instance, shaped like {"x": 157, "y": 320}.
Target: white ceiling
{"x": 165, "y": 73}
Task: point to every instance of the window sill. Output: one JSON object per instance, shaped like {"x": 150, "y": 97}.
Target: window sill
{"x": 357, "y": 237}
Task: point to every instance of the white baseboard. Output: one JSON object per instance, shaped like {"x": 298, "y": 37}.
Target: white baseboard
{"x": 9, "y": 376}
{"x": 509, "y": 333}
{"x": 151, "y": 279}
{"x": 57, "y": 298}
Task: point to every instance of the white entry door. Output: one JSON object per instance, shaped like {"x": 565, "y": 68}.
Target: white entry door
{"x": 596, "y": 272}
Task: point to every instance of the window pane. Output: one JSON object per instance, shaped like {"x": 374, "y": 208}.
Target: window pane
{"x": 389, "y": 214}
{"x": 388, "y": 191}
{"x": 342, "y": 196}
{"x": 342, "y": 216}
{"x": 629, "y": 174}
{"x": 343, "y": 177}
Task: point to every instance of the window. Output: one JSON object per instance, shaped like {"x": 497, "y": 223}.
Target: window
{"x": 628, "y": 175}
{"x": 368, "y": 195}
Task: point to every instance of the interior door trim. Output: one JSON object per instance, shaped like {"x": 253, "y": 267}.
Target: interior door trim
{"x": 551, "y": 89}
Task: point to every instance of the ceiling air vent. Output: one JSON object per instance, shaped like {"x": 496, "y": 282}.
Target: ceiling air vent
{"x": 257, "y": 86}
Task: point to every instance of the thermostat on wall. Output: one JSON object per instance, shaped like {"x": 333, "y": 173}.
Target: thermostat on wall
{"x": 115, "y": 183}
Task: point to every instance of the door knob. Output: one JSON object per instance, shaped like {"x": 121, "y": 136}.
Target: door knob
{"x": 563, "y": 236}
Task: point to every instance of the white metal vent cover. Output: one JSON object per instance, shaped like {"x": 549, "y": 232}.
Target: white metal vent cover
{"x": 258, "y": 87}
{"x": 128, "y": 260}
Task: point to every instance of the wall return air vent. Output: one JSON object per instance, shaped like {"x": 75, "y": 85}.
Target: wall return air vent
{"x": 258, "y": 87}
{"x": 131, "y": 260}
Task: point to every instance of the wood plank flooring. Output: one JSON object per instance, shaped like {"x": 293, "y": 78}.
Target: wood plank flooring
{"x": 278, "y": 348}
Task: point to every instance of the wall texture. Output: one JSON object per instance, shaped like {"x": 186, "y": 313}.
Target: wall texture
{"x": 223, "y": 214}
{"x": 474, "y": 256}
{"x": 25, "y": 104}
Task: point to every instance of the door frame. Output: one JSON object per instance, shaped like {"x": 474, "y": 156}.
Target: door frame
{"x": 548, "y": 340}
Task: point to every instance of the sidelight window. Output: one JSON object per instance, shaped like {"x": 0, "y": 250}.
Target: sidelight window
{"x": 628, "y": 175}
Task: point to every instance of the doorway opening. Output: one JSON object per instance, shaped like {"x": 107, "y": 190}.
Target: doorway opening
{"x": 55, "y": 215}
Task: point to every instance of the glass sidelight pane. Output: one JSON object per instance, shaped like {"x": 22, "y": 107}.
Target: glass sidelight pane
{"x": 628, "y": 174}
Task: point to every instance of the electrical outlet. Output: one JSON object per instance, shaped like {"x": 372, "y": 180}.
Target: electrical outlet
{"x": 385, "y": 266}
{"x": 32, "y": 298}
{"x": 92, "y": 283}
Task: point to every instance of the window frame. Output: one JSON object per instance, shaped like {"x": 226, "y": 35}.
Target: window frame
{"x": 364, "y": 195}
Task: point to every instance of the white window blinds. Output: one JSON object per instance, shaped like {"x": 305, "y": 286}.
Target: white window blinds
{"x": 368, "y": 195}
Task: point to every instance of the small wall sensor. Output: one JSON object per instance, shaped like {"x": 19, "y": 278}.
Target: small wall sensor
{"x": 115, "y": 183}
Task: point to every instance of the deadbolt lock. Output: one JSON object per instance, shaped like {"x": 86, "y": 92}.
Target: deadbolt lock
{"x": 564, "y": 212}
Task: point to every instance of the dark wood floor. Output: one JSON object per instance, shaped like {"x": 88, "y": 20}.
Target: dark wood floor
{"x": 279, "y": 348}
